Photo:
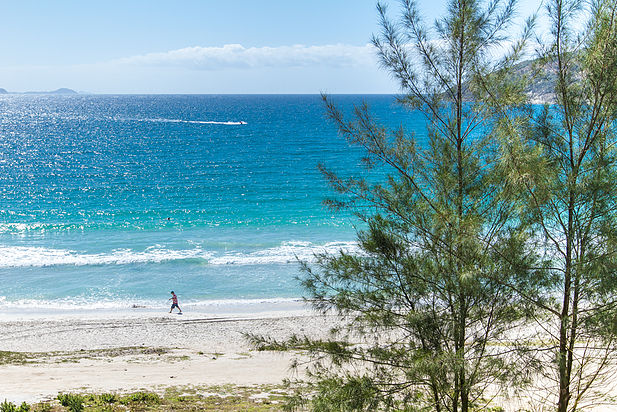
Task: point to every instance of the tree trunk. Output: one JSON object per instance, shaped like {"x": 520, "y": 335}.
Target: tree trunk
{"x": 564, "y": 357}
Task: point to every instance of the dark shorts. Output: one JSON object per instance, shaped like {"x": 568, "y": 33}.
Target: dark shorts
{"x": 175, "y": 305}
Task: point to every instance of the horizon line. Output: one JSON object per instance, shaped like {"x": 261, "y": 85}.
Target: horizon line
{"x": 52, "y": 93}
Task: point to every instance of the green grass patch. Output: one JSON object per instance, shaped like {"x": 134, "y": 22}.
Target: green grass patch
{"x": 13, "y": 358}
{"x": 220, "y": 398}
{"x": 7, "y": 406}
{"x": 20, "y": 358}
{"x": 223, "y": 398}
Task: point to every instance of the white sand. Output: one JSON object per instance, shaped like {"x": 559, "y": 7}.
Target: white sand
{"x": 203, "y": 350}
{"x": 76, "y": 352}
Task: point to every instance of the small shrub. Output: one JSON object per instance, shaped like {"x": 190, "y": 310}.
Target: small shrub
{"x": 75, "y": 403}
{"x": 141, "y": 397}
{"x": 108, "y": 398}
{"x": 7, "y": 406}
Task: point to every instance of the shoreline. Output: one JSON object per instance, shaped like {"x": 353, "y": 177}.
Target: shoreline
{"x": 40, "y": 358}
{"x": 271, "y": 307}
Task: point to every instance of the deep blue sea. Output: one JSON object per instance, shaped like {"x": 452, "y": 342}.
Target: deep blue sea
{"x": 113, "y": 201}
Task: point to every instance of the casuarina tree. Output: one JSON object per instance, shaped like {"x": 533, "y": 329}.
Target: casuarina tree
{"x": 430, "y": 301}
{"x": 566, "y": 167}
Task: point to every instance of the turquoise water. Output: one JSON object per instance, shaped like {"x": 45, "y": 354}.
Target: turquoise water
{"x": 113, "y": 201}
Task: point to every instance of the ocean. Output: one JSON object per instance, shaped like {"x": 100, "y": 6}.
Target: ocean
{"x": 112, "y": 201}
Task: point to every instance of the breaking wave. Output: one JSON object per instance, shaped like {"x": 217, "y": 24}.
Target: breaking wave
{"x": 286, "y": 253}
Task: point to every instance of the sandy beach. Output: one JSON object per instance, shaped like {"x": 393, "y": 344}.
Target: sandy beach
{"x": 145, "y": 351}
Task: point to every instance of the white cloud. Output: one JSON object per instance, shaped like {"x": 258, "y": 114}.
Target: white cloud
{"x": 336, "y": 68}
{"x": 239, "y": 57}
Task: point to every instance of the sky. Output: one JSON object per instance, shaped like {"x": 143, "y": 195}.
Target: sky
{"x": 196, "y": 46}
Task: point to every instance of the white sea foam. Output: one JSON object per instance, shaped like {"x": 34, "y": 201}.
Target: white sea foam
{"x": 105, "y": 303}
{"x": 77, "y": 303}
{"x": 21, "y": 256}
{"x": 126, "y": 308}
{"x": 287, "y": 252}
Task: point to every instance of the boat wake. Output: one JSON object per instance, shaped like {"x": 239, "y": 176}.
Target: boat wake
{"x": 164, "y": 120}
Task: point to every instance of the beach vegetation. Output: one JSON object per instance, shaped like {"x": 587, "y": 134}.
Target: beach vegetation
{"x": 108, "y": 398}
{"x": 148, "y": 398}
{"x": 7, "y": 406}
{"x": 42, "y": 407}
{"x": 428, "y": 307}
{"x": 226, "y": 398}
{"x": 75, "y": 403}
{"x": 17, "y": 358}
{"x": 564, "y": 161}
{"x": 487, "y": 256}
{"x": 7, "y": 357}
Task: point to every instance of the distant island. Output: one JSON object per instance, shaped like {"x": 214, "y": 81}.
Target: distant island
{"x": 62, "y": 90}
{"x": 540, "y": 89}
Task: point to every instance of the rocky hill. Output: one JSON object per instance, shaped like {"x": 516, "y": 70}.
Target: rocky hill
{"x": 542, "y": 78}
{"x": 541, "y": 88}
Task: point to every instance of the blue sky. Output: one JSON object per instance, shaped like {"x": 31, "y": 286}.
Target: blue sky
{"x": 195, "y": 46}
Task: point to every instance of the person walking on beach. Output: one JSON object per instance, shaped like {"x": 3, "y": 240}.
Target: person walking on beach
{"x": 174, "y": 302}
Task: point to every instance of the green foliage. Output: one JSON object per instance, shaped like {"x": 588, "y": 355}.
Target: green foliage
{"x": 297, "y": 343}
{"x": 13, "y": 357}
{"x": 564, "y": 163}
{"x": 108, "y": 398}
{"x": 432, "y": 290}
{"x": 74, "y": 402}
{"x": 7, "y": 406}
{"x": 146, "y": 398}
{"x": 353, "y": 394}
{"x": 182, "y": 398}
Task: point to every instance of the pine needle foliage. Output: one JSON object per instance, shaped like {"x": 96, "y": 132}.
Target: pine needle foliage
{"x": 566, "y": 167}
{"x": 430, "y": 303}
